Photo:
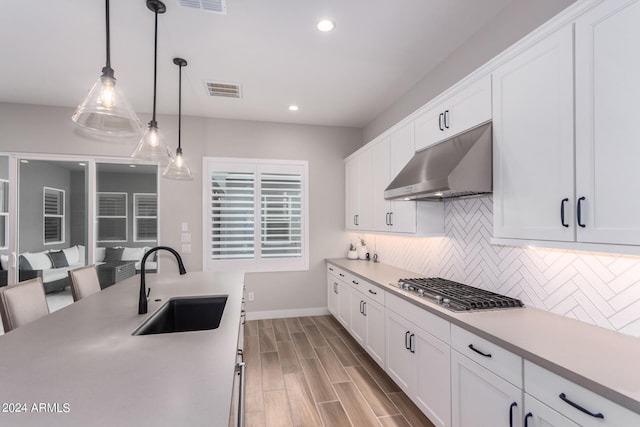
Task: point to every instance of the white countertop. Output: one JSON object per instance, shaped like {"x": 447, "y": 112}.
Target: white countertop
{"x": 84, "y": 356}
{"x": 598, "y": 359}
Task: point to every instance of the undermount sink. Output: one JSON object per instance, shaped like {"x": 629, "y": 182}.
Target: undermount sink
{"x": 184, "y": 314}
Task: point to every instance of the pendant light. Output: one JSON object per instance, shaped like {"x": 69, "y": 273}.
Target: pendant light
{"x": 151, "y": 146}
{"x": 176, "y": 169}
{"x": 105, "y": 111}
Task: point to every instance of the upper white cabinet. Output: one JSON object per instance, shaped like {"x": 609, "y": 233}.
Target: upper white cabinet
{"x": 390, "y": 155}
{"x": 607, "y": 130}
{"x": 533, "y": 142}
{"x": 359, "y": 197}
{"x": 461, "y": 111}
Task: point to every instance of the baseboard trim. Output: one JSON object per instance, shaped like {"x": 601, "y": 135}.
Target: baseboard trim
{"x": 277, "y": 314}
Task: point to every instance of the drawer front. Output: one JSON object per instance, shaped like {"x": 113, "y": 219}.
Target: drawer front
{"x": 372, "y": 292}
{"x": 491, "y": 356}
{"x": 547, "y": 387}
{"x": 429, "y": 322}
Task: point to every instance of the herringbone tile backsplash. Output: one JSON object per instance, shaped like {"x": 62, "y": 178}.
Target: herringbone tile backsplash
{"x": 595, "y": 288}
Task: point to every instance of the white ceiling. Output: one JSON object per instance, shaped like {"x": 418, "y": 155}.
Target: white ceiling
{"x": 53, "y": 51}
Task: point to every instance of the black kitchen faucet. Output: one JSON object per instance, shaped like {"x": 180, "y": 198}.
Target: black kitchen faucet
{"x": 142, "y": 303}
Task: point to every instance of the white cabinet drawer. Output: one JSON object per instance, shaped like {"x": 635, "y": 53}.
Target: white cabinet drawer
{"x": 372, "y": 292}
{"x": 548, "y": 387}
{"x": 491, "y": 356}
{"x": 337, "y": 272}
{"x": 420, "y": 317}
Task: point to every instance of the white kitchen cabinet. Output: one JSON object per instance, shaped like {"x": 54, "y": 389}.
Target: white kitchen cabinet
{"x": 577, "y": 404}
{"x": 359, "y": 195}
{"x": 333, "y": 299}
{"x": 533, "y": 142}
{"x": 374, "y": 341}
{"x": 344, "y": 304}
{"x": 463, "y": 110}
{"x": 420, "y": 364}
{"x": 607, "y": 131}
{"x": 537, "y": 414}
{"x": 481, "y": 398}
{"x": 390, "y": 155}
{"x": 358, "y": 318}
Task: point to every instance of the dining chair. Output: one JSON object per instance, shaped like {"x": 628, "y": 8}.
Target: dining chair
{"x": 22, "y": 303}
{"x": 84, "y": 282}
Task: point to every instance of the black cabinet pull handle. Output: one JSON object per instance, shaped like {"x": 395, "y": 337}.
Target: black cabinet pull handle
{"x": 335, "y": 288}
{"x": 446, "y": 119}
{"x": 478, "y": 351}
{"x": 361, "y": 306}
{"x": 391, "y": 219}
{"x": 526, "y": 419}
{"x": 440, "y": 117}
{"x": 330, "y": 269}
{"x": 364, "y": 308}
{"x": 580, "y": 408}
{"x": 411, "y": 347}
{"x": 340, "y": 274}
{"x": 565, "y": 200}
{"x": 373, "y": 292}
{"x": 354, "y": 282}
{"x": 513, "y": 405}
{"x": 406, "y": 340}
{"x": 580, "y": 211}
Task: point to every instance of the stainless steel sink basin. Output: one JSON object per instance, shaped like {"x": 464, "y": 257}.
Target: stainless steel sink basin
{"x": 184, "y": 314}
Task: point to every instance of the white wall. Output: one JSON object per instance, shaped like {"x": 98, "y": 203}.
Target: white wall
{"x": 42, "y": 129}
{"x": 600, "y": 289}
{"x": 514, "y": 22}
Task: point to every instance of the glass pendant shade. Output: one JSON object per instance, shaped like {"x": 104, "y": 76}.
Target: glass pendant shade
{"x": 106, "y": 112}
{"x": 151, "y": 147}
{"x": 177, "y": 169}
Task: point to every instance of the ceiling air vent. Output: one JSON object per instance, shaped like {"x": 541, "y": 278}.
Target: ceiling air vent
{"x": 214, "y": 6}
{"x": 224, "y": 89}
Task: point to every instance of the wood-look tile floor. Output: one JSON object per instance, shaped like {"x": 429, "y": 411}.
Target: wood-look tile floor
{"x": 308, "y": 371}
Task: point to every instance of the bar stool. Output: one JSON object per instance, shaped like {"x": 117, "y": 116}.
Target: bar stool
{"x": 84, "y": 282}
{"x": 22, "y": 303}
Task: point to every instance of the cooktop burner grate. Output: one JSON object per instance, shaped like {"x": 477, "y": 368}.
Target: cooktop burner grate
{"x": 457, "y": 296}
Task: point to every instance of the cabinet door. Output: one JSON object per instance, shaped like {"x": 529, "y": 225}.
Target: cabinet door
{"x": 433, "y": 386}
{"x": 351, "y": 194}
{"x": 344, "y": 302}
{"x": 429, "y": 128}
{"x": 480, "y": 398}
{"x": 542, "y": 415}
{"x": 358, "y": 325}
{"x": 400, "y": 361}
{"x": 365, "y": 191}
{"x": 607, "y": 131}
{"x": 468, "y": 108}
{"x": 402, "y": 217}
{"x": 533, "y": 142}
{"x": 333, "y": 301}
{"x": 374, "y": 339}
{"x": 381, "y": 178}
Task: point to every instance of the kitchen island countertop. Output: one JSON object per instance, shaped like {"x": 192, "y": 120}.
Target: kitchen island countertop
{"x": 82, "y": 366}
{"x": 596, "y": 358}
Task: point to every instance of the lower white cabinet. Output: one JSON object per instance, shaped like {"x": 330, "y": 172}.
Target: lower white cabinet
{"x": 333, "y": 298}
{"x": 344, "y": 304}
{"x": 419, "y": 363}
{"x": 367, "y": 325}
{"x": 480, "y": 398}
{"x": 537, "y": 414}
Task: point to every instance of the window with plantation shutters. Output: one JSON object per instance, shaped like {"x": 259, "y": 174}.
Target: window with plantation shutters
{"x": 111, "y": 212}
{"x": 255, "y": 215}
{"x": 145, "y": 217}
{"x": 53, "y": 215}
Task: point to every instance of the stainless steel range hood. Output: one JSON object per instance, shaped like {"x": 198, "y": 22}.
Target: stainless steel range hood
{"x": 457, "y": 167}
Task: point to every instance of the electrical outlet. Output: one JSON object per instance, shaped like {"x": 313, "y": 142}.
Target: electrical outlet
{"x": 186, "y": 248}
{"x": 252, "y": 296}
{"x": 186, "y": 237}
{"x": 185, "y": 226}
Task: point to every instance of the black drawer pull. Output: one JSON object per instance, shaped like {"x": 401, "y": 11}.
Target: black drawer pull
{"x": 440, "y": 117}
{"x": 580, "y": 211}
{"x": 340, "y": 274}
{"x": 354, "y": 282}
{"x": 373, "y": 292}
{"x": 411, "y": 347}
{"x": 330, "y": 269}
{"x": 513, "y": 405}
{"x": 478, "y": 351}
{"x": 526, "y": 419}
{"x": 406, "y": 340}
{"x": 580, "y": 408}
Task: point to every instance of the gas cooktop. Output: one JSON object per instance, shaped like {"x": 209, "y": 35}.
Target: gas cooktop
{"x": 457, "y": 296}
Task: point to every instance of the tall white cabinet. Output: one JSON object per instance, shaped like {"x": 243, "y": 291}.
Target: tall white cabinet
{"x": 607, "y": 130}
{"x": 359, "y": 197}
{"x": 533, "y": 142}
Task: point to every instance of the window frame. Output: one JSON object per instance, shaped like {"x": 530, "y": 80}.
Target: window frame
{"x": 5, "y": 214}
{"x": 136, "y": 217}
{"x": 62, "y": 216}
{"x": 257, "y": 166}
{"x": 125, "y": 217}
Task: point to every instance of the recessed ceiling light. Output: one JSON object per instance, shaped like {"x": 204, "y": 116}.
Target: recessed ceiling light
{"x": 325, "y": 25}
{"x": 293, "y": 108}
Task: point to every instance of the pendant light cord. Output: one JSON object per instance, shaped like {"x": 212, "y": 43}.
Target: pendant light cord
{"x": 180, "y": 108}
{"x": 155, "y": 71}
{"x": 107, "y": 71}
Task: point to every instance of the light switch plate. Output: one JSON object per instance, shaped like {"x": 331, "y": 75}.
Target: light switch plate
{"x": 186, "y": 237}
{"x": 186, "y": 248}
{"x": 185, "y": 226}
